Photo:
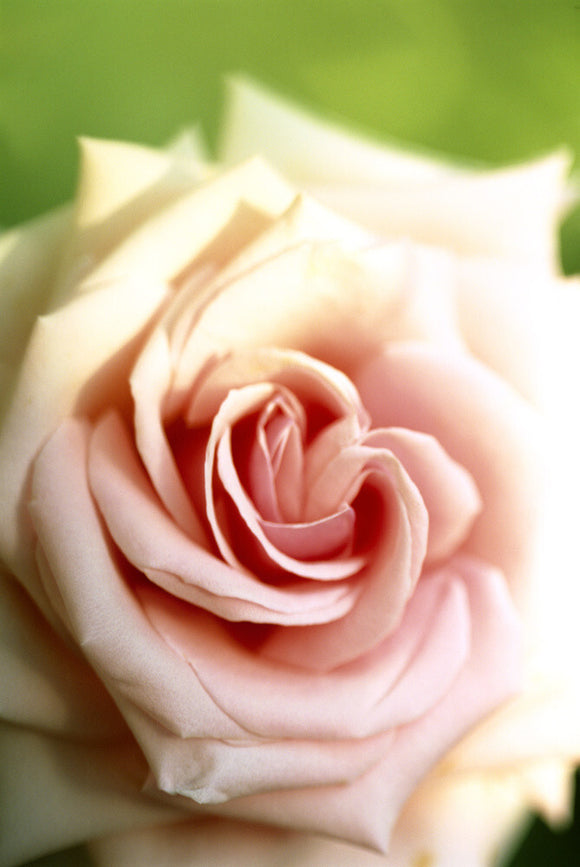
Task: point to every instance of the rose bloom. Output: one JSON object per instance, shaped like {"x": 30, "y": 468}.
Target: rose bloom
{"x": 288, "y": 481}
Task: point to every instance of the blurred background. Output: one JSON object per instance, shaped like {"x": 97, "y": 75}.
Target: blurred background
{"x": 488, "y": 81}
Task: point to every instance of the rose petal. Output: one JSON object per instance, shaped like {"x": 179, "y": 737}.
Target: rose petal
{"x": 150, "y": 381}
{"x": 365, "y": 811}
{"x": 311, "y": 380}
{"x": 395, "y": 193}
{"x": 97, "y": 331}
{"x": 120, "y": 186}
{"x": 216, "y": 842}
{"x": 276, "y": 462}
{"x": 359, "y": 700}
{"x": 510, "y": 213}
{"x": 29, "y": 259}
{"x": 324, "y": 538}
{"x": 167, "y": 242}
{"x": 94, "y": 790}
{"x": 459, "y": 820}
{"x": 307, "y": 148}
{"x": 313, "y": 283}
{"x": 45, "y": 685}
{"x": 264, "y": 532}
{"x": 209, "y": 771}
{"x": 104, "y": 615}
{"x": 154, "y": 545}
{"x": 483, "y": 425}
{"x": 397, "y": 515}
{"x": 510, "y": 317}
{"x": 448, "y": 491}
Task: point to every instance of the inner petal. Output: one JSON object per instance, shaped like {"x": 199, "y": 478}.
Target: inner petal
{"x": 275, "y": 465}
{"x": 448, "y": 490}
{"x": 334, "y": 568}
{"x": 328, "y": 537}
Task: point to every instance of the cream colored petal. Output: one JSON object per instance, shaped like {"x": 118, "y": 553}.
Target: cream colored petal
{"x": 120, "y": 187}
{"x": 169, "y": 241}
{"x": 307, "y": 148}
{"x": 29, "y": 259}
{"x": 203, "y": 772}
{"x": 539, "y": 727}
{"x": 113, "y": 173}
{"x": 44, "y": 683}
{"x": 190, "y": 143}
{"x": 67, "y": 348}
{"x": 511, "y": 212}
{"x": 515, "y": 319}
{"x": 211, "y": 842}
{"x": 284, "y": 301}
{"x": 57, "y": 793}
{"x": 459, "y": 821}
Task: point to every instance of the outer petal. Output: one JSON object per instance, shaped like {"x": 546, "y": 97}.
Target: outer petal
{"x": 225, "y": 843}
{"x": 511, "y": 212}
{"x": 489, "y": 814}
{"x": 306, "y": 148}
{"x": 163, "y": 246}
{"x": 67, "y": 348}
{"x": 492, "y": 673}
{"x": 365, "y": 299}
{"x": 120, "y": 186}
{"x": 45, "y": 684}
{"x": 100, "y": 608}
{"x": 29, "y": 259}
{"x": 57, "y": 793}
{"x": 359, "y": 700}
{"x": 515, "y": 320}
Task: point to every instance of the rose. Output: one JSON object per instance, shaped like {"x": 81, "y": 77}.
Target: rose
{"x": 272, "y": 477}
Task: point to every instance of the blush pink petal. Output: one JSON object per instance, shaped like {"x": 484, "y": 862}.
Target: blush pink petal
{"x": 364, "y": 812}
{"x": 448, "y": 491}
{"x": 401, "y": 680}
{"x": 275, "y": 472}
{"x": 302, "y": 379}
{"x": 326, "y": 537}
{"x": 287, "y": 456}
{"x": 394, "y": 559}
{"x": 104, "y": 615}
{"x": 269, "y": 535}
{"x": 209, "y": 771}
{"x": 153, "y": 544}
{"x": 239, "y": 403}
{"x": 482, "y": 424}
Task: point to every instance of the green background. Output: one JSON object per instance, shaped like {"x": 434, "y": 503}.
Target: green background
{"x": 493, "y": 81}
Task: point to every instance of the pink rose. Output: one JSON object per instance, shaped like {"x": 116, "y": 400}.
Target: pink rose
{"x": 275, "y": 486}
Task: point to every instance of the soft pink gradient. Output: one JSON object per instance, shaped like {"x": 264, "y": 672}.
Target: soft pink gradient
{"x": 278, "y": 544}
{"x": 279, "y": 576}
